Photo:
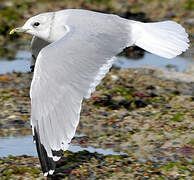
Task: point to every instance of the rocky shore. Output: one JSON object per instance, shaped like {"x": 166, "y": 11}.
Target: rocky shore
{"x": 147, "y": 117}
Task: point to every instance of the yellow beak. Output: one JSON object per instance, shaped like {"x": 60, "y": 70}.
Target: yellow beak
{"x": 19, "y": 29}
{"x": 12, "y": 32}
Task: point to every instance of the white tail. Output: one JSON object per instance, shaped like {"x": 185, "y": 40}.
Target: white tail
{"x": 167, "y": 39}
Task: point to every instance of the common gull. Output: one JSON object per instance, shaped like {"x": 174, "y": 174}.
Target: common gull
{"x": 73, "y": 50}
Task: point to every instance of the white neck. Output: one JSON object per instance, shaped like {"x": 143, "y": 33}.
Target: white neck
{"x": 57, "y": 29}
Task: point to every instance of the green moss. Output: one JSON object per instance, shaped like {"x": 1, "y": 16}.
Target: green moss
{"x": 149, "y": 129}
{"x": 100, "y": 1}
{"x": 178, "y": 117}
{"x": 2, "y": 161}
{"x": 181, "y": 166}
{"x": 161, "y": 178}
{"x": 11, "y": 157}
{"x": 115, "y": 157}
{"x": 16, "y": 169}
{"x": 123, "y": 91}
{"x": 34, "y": 171}
{"x": 158, "y": 99}
{"x": 8, "y": 173}
{"x": 191, "y": 142}
{"x": 189, "y": 5}
{"x": 169, "y": 166}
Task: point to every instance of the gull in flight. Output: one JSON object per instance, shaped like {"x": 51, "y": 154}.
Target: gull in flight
{"x": 72, "y": 50}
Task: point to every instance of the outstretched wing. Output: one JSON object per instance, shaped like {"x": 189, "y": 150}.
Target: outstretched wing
{"x": 67, "y": 71}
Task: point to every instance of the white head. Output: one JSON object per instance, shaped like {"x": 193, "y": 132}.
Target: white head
{"x": 42, "y": 26}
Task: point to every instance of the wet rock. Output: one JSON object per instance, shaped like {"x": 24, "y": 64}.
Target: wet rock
{"x": 151, "y": 87}
{"x": 141, "y": 160}
{"x": 125, "y": 103}
{"x": 189, "y": 21}
{"x": 170, "y": 15}
{"x": 114, "y": 77}
{"x": 140, "y": 103}
{"x": 105, "y": 113}
{"x": 133, "y": 52}
{"x": 2, "y": 7}
{"x": 190, "y": 70}
{"x": 108, "y": 102}
{"x": 135, "y": 16}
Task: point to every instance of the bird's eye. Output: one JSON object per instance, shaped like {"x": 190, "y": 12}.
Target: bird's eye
{"x": 36, "y": 24}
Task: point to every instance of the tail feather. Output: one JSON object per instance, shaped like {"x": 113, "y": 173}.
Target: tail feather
{"x": 167, "y": 39}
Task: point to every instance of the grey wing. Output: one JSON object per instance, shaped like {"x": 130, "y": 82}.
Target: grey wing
{"x": 67, "y": 71}
{"x": 36, "y": 45}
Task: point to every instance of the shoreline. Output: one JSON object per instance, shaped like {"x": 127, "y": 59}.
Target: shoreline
{"x": 147, "y": 117}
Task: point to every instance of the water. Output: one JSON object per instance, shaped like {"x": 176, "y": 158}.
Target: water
{"x": 17, "y": 146}
{"x": 22, "y": 64}
{"x": 178, "y": 64}
{"x": 24, "y": 145}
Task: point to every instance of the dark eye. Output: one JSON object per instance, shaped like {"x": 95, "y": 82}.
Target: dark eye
{"x": 36, "y": 24}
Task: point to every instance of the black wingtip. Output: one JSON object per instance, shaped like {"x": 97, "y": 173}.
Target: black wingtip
{"x": 47, "y": 163}
{"x": 32, "y": 68}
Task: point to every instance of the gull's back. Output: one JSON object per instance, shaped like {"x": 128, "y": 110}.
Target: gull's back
{"x": 96, "y": 24}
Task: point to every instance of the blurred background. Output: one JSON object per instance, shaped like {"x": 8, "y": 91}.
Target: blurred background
{"x": 139, "y": 124}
